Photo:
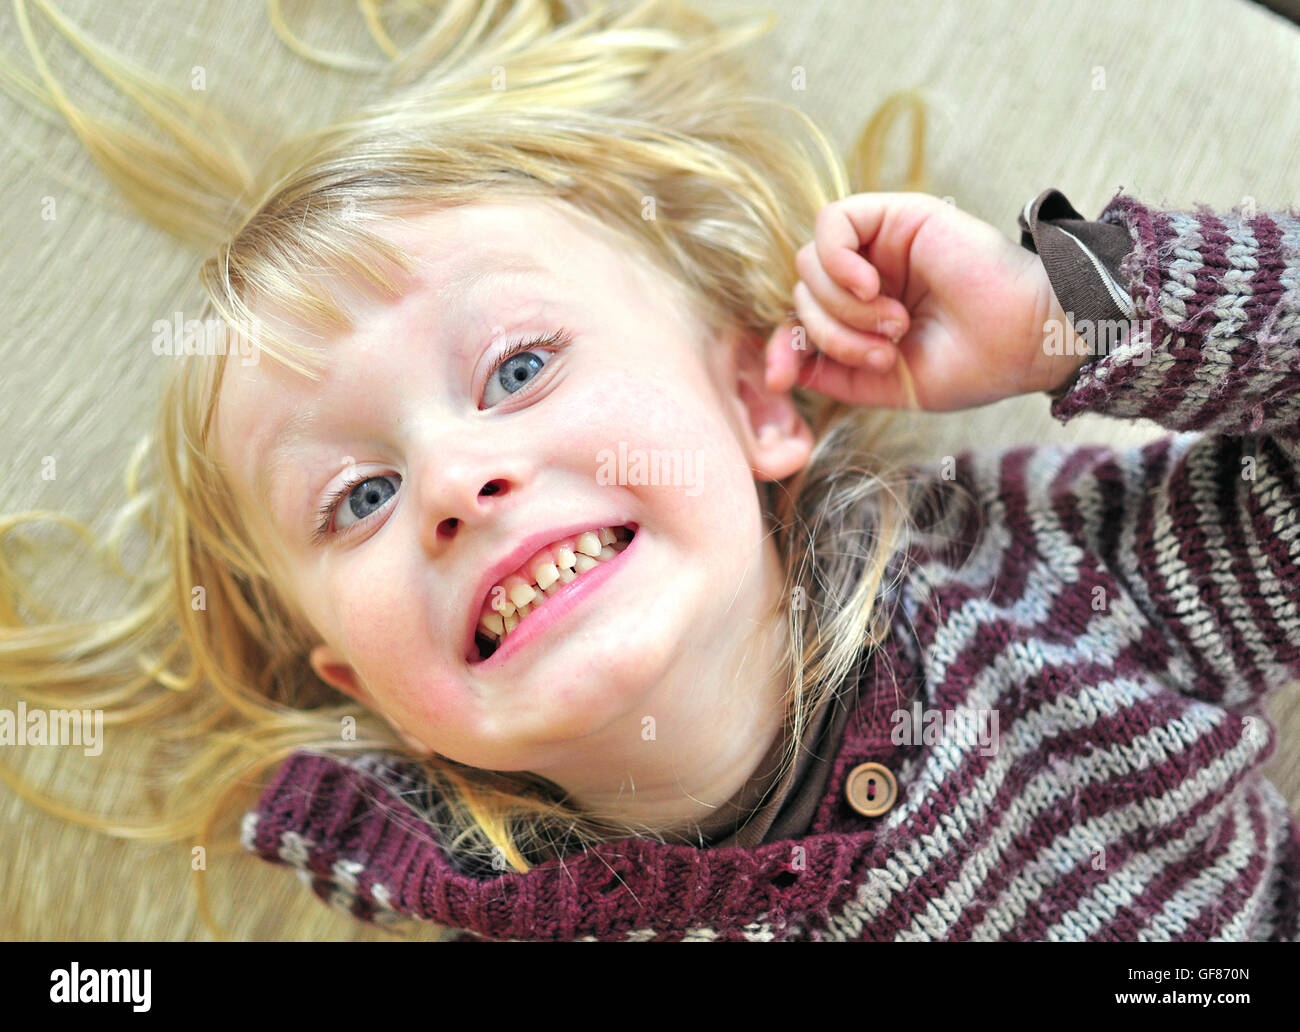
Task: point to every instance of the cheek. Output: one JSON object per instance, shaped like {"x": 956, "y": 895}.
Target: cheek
{"x": 385, "y": 633}
{"x": 650, "y": 420}
{"x": 392, "y": 650}
{"x": 651, "y": 408}
{"x": 397, "y": 640}
{"x": 373, "y": 598}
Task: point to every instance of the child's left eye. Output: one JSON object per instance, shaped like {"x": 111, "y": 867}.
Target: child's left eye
{"x": 514, "y": 376}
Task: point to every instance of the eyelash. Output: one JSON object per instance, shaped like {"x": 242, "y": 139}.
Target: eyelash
{"x": 558, "y": 341}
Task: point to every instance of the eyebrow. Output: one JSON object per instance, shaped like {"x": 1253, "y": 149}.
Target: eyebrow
{"x": 503, "y": 266}
{"x": 304, "y": 424}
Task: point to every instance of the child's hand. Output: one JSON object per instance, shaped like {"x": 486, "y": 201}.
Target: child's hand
{"x": 971, "y": 319}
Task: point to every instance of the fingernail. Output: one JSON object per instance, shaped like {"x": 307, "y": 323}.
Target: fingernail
{"x": 879, "y": 358}
{"x": 892, "y": 330}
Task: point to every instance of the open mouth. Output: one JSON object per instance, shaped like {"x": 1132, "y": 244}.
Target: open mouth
{"x": 548, "y": 575}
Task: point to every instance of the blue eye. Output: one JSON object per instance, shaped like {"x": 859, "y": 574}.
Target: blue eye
{"x": 359, "y": 504}
{"x": 518, "y": 364}
{"x": 514, "y": 370}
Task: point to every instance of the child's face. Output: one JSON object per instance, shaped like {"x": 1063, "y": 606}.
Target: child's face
{"x": 467, "y": 468}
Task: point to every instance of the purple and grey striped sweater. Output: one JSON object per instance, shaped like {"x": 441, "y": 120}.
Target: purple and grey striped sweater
{"x": 1120, "y": 613}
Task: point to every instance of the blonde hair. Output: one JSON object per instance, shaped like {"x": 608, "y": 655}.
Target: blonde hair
{"x": 602, "y": 108}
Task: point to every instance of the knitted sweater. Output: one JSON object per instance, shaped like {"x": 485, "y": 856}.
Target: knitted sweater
{"x": 1115, "y": 616}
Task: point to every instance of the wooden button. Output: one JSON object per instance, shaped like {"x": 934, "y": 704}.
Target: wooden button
{"x": 871, "y": 789}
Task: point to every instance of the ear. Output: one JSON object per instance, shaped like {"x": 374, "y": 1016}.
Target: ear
{"x": 775, "y": 436}
{"x": 335, "y": 671}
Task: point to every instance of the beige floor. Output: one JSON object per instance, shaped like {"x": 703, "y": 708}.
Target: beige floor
{"x": 1201, "y": 107}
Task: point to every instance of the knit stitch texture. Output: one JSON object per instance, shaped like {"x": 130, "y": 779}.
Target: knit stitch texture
{"x": 1122, "y": 612}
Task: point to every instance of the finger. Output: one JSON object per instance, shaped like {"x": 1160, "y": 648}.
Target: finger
{"x": 783, "y": 358}
{"x": 831, "y": 336}
{"x": 883, "y": 315}
{"x": 882, "y": 359}
{"x": 854, "y": 385}
{"x": 839, "y": 234}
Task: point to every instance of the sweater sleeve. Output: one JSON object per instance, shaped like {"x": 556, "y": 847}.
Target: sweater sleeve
{"x": 1200, "y": 527}
{"x": 1083, "y": 260}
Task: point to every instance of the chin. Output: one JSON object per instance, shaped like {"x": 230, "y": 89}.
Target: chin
{"x": 562, "y": 714}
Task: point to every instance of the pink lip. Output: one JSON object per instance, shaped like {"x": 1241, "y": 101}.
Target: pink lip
{"x": 557, "y": 607}
{"x": 510, "y": 562}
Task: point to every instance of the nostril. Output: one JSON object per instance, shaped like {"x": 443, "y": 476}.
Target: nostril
{"x": 491, "y": 487}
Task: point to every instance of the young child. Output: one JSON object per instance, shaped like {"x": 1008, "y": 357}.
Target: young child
{"x": 1115, "y": 619}
{"x": 568, "y": 593}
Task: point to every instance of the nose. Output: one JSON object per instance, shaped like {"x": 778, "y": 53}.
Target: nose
{"x": 466, "y": 491}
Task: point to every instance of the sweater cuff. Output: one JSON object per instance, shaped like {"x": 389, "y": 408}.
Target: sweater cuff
{"x": 1082, "y": 259}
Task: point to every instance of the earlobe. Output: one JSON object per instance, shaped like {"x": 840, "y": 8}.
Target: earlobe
{"x": 334, "y": 671}
{"x": 782, "y": 449}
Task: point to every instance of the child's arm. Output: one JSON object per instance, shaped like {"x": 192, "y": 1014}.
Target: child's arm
{"x": 1199, "y": 532}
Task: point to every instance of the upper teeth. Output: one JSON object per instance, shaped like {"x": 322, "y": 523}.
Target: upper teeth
{"x": 543, "y": 575}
